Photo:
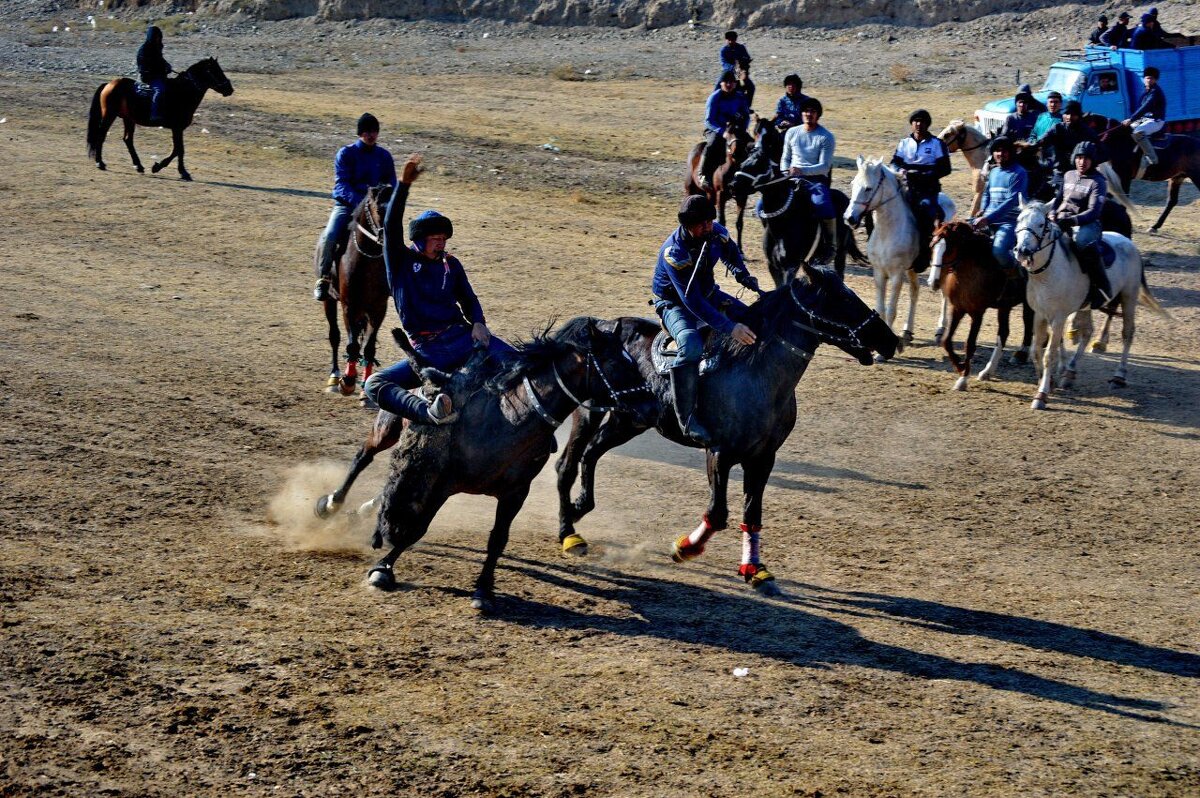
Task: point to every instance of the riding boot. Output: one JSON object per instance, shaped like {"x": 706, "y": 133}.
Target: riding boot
{"x": 328, "y": 247}
{"x": 1148, "y": 150}
{"x": 828, "y": 249}
{"x": 414, "y": 407}
{"x": 1099, "y": 290}
{"x": 685, "y": 385}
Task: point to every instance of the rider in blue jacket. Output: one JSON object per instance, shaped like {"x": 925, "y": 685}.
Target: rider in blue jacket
{"x": 733, "y": 53}
{"x": 1150, "y": 115}
{"x": 356, "y": 169}
{"x": 1007, "y": 182}
{"x": 153, "y": 70}
{"x": 439, "y": 311}
{"x": 687, "y": 298}
{"x": 726, "y": 107}
{"x": 787, "y": 110}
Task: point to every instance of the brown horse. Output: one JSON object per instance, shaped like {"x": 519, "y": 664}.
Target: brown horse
{"x": 361, "y": 288}
{"x": 972, "y": 282}
{"x": 1178, "y": 160}
{"x": 120, "y": 98}
{"x": 737, "y": 145}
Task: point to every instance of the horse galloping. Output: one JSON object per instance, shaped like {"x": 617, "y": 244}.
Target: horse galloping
{"x": 361, "y": 289}
{"x": 963, "y": 266}
{"x": 1178, "y": 161}
{"x": 504, "y": 435}
{"x": 120, "y": 98}
{"x": 737, "y": 145}
{"x": 748, "y": 402}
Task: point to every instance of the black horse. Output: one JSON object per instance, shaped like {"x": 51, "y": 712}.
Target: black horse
{"x": 747, "y": 402}
{"x": 791, "y": 230}
{"x": 504, "y": 435}
{"x": 120, "y": 98}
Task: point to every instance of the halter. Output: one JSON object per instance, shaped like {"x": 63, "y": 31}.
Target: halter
{"x": 1049, "y": 230}
{"x": 850, "y": 337}
{"x": 961, "y": 137}
{"x": 592, "y": 365}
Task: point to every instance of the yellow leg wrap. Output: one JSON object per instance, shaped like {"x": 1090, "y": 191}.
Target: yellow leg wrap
{"x": 683, "y": 550}
{"x": 333, "y": 381}
{"x": 572, "y": 542}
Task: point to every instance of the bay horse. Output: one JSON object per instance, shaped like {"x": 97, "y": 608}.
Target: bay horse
{"x": 120, "y": 98}
{"x": 963, "y": 266}
{"x": 1058, "y": 288}
{"x": 504, "y": 435}
{"x": 791, "y": 230}
{"x": 895, "y": 242}
{"x": 747, "y": 403}
{"x": 361, "y": 290}
{"x": 1178, "y": 161}
{"x": 737, "y": 145}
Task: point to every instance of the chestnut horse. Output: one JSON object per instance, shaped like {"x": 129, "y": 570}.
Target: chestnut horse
{"x": 737, "y": 146}
{"x": 120, "y": 98}
{"x": 361, "y": 288}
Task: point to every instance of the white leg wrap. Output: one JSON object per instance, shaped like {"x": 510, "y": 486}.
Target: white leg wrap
{"x": 750, "y": 542}
{"x": 701, "y": 534}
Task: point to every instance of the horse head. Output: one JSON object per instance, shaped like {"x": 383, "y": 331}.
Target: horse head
{"x": 838, "y": 316}
{"x": 866, "y": 188}
{"x": 211, "y": 76}
{"x": 950, "y": 241}
{"x": 1035, "y": 232}
{"x": 755, "y": 170}
{"x": 953, "y": 135}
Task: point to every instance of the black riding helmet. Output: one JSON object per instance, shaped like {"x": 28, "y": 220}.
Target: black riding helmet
{"x": 920, "y": 113}
{"x": 696, "y": 208}
{"x": 1086, "y": 149}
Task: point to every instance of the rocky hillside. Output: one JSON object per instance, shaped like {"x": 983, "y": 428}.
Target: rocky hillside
{"x": 619, "y": 13}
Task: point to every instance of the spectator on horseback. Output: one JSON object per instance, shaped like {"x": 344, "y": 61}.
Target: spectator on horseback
{"x": 733, "y": 53}
{"x": 1078, "y": 205}
{"x": 439, "y": 311}
{"x": 356, "y": 168}
{"x": 726, "y": 108}
{"x": 808, "y": 155}
{"x": 687, "y": 298}
{"x": 745, "y": 86}
{"x": 1117, "y": 36}
{"x": 923, "y": 160}
{"x": 1007, "y": 183}
{"x": 1149, "y": 116}
{"x": 1050, "y": 117}
{"x": 1019, "y": 126}
{"x": 153, "y": 70}
{"x": 1058, "y": 145}
{"x": 1099, "y": 31}
{"x": 787, "y": 110}
{"x": 1146, "y": 36}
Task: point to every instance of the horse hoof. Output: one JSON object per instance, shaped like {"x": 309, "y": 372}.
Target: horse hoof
{"x": 141, "y": 170}
{"x": 327, "y": 506}
{"x": 1099, "y": 346}
{"x": 1072, "y": 336}
{"x": 1020, "y": 357}
{"x": 185, "y": 176}
{"x": 347, "y": 387}
{"x": 368, "y": 507}
{"x": 685, "y": 550}
{"x": 881, "y": 359}
{"x": 985, "y": 376}
{"x": 1039, "y": 401}
{"x": 100, "y": 165}
{"x": 960, "y": 384}
{"x": 768, "y": 588}
{"x": 484, "y": 603}
{"x": 1068, "y": 379}
{"x": 907, "y": 337}
{"x": 381, "y": 578}
{"x": 1116, "y": 382}
{"x": 155, "y": 167}
{"x": 759, "y": 578}
{"x": 937, "y": 335}
{"x": 575, "y": 546}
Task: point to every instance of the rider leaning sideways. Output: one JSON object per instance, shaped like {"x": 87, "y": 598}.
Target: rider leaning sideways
{"x": 356, "y": 168}
{"x": 808, "y": 155}
{"x": 923, "y": 160}
{"x": 439, "y": 311}
{"x": 153, "y": 70}
{"x": 687, "y": 298}
{"x": 1007, "y": 183}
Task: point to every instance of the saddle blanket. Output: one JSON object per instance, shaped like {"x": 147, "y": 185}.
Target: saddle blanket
{"x": 663, "y": 352}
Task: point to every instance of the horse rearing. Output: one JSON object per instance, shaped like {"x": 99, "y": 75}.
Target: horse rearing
{"x": 120, "y": 98}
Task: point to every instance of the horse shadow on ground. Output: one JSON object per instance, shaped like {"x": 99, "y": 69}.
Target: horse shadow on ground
{"x": 785, "y": 630}
{"x": 291, "y": 192}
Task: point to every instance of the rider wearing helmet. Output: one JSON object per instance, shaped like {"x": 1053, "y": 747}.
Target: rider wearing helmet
{"x": 808, "y": 155}
{"x": 924, "y": 160}
{"x": 1078, "y": 204}
{"x": 153, "y": 70}
{"x": 439, "y": 311}
{"x": 687, "y": 297}
{"x": 1007, "y": 182}
{"x": 356, "y": 168}
{"x": 726, "y": 108}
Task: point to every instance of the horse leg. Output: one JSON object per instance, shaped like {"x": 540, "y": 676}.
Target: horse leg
{"x": 1027, "y": 320}
{"x": 383, "y": 436}
{"x": 989, "y": 370}
{"x": 420, "y": 507}
{"x": 177, "y": 138}
{"x": 335, "y": 340}
{"x": 1129, "y": 308}
{"x": 941, "y": 322}
{"x": 741, "y": 214}
{"x": 368, "y": 357}
{"x": 755, "y": 473}
{"x": 969, "y": 353}
{"x": 130, "y": 127}
{"x": 507, "y": 508}
{"x": 158, "y": 166}
{"x": 354, "y": 331}
{"x": 1081, "y": 326}
{"x": 1101, "y": 343}
{"x": 881, "y": 305}
{"x": 595, "y": 444}
{"x": 1173, "y": 186}
{"x": 914, "y": 287}
{"x": 1050, "y": 360}
{"x": 715, "y": 519}
{"x": 948, "y": 341}
{"x": 583, "y": 430}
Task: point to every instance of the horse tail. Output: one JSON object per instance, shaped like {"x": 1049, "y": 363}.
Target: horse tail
{"x": 1114, "y": 186}
{"x": 853, "y": 251}
{"x": 1147, "y": 299}
{"x": 95, "y": 123}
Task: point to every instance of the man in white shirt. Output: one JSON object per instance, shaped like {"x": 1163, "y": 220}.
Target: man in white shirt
{"x": 808, "y": 155}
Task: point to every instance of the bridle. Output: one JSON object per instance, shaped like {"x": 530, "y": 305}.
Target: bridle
{"x": 961, "y": 137}
{"x": 866, "y": 204}
{"x": 373, "y": 232}
{"x": 1049, "y": 231}
{"x": 592, "y": 366}
{"x": 849, "y": 335}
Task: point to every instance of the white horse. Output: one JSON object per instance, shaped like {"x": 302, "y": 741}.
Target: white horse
{"x": 895, "y": 241}
{"x": 1058, "y": 288}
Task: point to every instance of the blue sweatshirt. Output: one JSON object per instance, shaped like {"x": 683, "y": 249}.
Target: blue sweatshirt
{"x": 731, "y": 54}
{"x": 357, "y": 168}
{"x": 723, "y": 110}
{"x": 678, "y": 266}
{"x": 1001, "y": 195}
{"x": 1153, "y": 105}
{"x": 788, "y": 108}
{"x": 430, "y": 295}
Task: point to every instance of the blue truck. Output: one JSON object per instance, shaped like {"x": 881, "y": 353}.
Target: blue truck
{"x": 1109, "y": 82}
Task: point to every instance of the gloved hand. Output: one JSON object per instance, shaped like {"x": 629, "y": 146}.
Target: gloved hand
{"x": 748, "y": 280}
{"x": 1066, "y": 219}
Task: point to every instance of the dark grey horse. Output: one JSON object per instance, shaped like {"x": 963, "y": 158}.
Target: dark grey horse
{"x": 504, "y": 435}
{"x": 791, "y": 231}
{"x": 747, "y": 402}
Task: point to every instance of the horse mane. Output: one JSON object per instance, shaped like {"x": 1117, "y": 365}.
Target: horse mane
{"x": 540, "y": 351}
{"x": 974, "y": 244}
{"x": 764, "y": 317}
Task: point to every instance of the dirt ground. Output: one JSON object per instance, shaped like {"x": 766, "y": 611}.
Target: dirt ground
{"x": 981, "y": 600}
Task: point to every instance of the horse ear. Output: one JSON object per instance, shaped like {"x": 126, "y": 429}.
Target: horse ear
{"x": 861, "y": 160}
{"x": 1021, "y": 201}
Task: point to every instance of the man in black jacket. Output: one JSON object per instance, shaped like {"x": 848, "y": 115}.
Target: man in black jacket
{"x": 153, "y": 70}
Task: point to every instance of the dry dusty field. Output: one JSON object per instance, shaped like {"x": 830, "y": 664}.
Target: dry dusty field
{"x": 981, "y": 600}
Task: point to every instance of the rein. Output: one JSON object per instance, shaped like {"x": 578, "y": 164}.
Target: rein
{"x": 866, "y": 204}
{"x": 851, "y": 336}
{"x": 1054, "y": 233}
{"x": 373, "y": 233}
{"x": 614, "y": 394}
{"x": 962, "y": 137}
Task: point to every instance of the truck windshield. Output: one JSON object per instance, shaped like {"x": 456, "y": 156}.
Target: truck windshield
{"x": 1067, "y": 82}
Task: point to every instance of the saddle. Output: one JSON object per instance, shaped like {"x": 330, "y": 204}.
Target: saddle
{"x": 142, "y": 90}
{"x": 663, "y": 352}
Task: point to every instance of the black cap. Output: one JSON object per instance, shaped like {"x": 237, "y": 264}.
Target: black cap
{"x": 367, "y": 123}
{"x": 1150, "y": 72}
{"x": 430, "y": 223}
{"x": 1103, "y": 19}
{"x": 1073, "y": 107}
{"x": 696, "y": 208}
{"x": 1053, "y": 96}
{"x": 1024, "y": 95}
{"x": 1000, "y": 143}
{"x": 1124, "y": 15}
{"x": 793, "y": 78}
{"x": 728, "y": 77}
{"x": 920, "y": 113}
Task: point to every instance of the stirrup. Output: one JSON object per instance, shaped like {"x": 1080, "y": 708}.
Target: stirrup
{"x": 441, "y": 410}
